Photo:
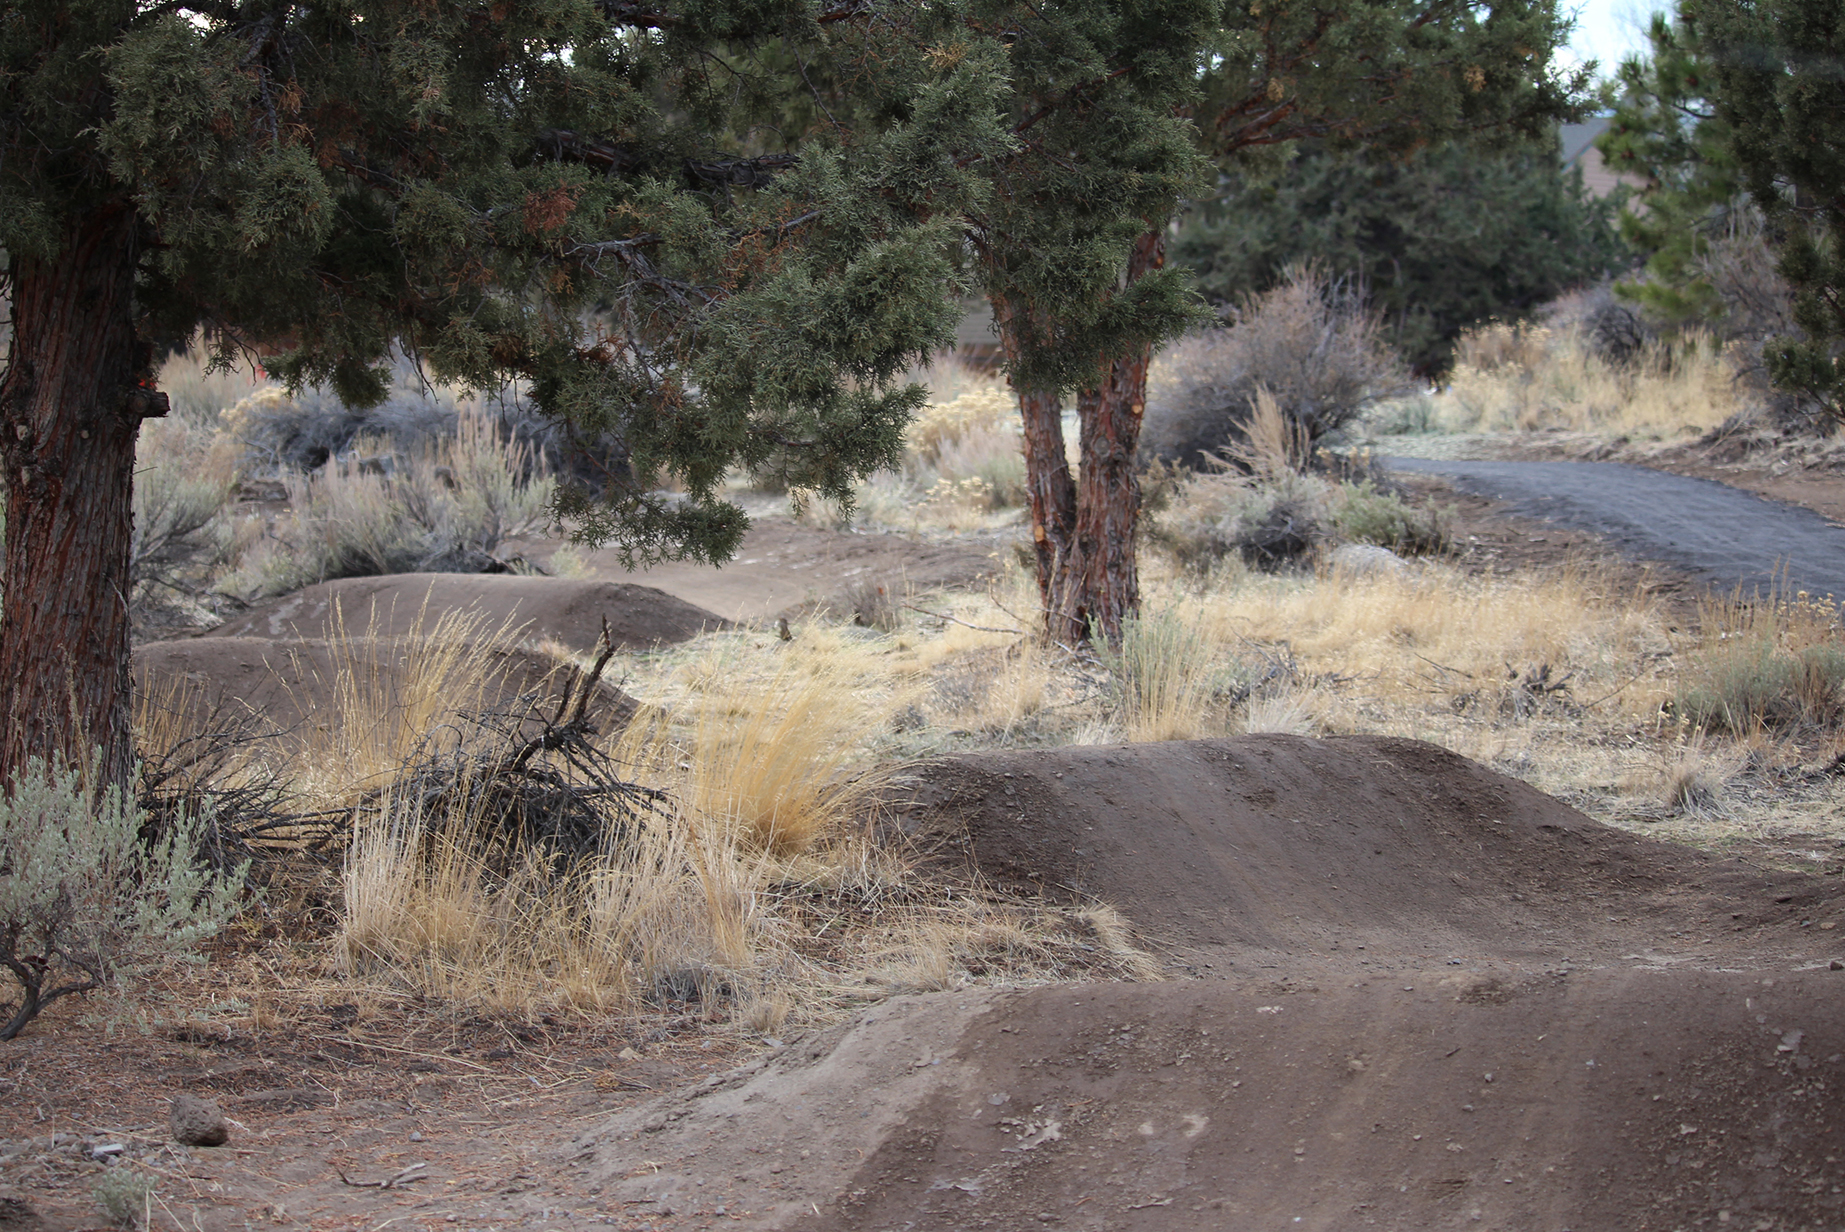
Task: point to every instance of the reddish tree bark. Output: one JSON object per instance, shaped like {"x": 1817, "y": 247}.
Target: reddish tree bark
{"x": 71, "y": 405}
{"x": 1088, "y": 581}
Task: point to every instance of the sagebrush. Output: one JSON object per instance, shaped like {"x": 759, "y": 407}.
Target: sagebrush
{"x": 92, "y": 891}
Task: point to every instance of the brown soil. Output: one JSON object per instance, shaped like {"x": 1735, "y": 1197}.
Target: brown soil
{"x": 536, "y": 609}
{"x": 1420, "y": 994}
{"x": 280, "y": 683}
{"x": 1406, "y": 990}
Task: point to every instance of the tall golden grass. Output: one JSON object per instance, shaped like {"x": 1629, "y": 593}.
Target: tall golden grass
{"x": 387, "y": 701}
{"x": 1528, "y": 377}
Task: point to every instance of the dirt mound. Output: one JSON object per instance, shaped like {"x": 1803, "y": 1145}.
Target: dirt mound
{"x": 1424, "y": 995}
{"x": 280, "y": 682}
{"x": 786, "y": 568}
{"x": 403, "y": 604}
{"x": 1291, "y": 845}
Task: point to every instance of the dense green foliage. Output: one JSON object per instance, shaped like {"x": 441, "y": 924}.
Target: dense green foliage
{"x": 1097, "y": 100}
{"x": 1667, "y": 136}
{"x": 1442, "y": 238}
{"x": 1386, "y": 74}
{"x": 718, "y": 230}
{"x": 1780, "y": 87}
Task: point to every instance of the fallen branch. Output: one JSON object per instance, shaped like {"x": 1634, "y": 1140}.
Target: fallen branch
{"x": 911, "y": 607}
{"x": 413, "y": 1173}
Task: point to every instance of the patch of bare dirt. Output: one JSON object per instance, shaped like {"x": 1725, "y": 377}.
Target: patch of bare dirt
{"x": 282, "y": 683}
{"x": 566, "y": 610}
{"x": 1408, "y": 992}
{"x": 330, "y": 1099}
{"x": 786, "y": 568}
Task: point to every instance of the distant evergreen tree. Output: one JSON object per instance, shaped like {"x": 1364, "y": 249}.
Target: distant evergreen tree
{"x": 1441, "y": 239}
{"x": 1780, "y": 86}
{"x": 1668, "y": 137}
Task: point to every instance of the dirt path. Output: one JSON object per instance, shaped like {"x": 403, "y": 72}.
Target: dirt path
{"x": 1409, "y": 993}
{"x": 786, "y": 568}
{"x": 1716, "y": 533}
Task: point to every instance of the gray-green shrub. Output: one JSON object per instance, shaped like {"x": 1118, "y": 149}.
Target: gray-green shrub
{"x": 90, "y": 892}
{"x": 1363, "y": 514}
{"x": 1750, "y": 681}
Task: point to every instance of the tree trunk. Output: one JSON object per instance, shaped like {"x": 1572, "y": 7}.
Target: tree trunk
{"x": 1047, "y": 469}
{"x": 74, "y": 391}
{"x": 1088, "y": 581}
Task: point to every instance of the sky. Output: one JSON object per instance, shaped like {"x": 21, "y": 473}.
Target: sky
{"x": 1609, "y": 30}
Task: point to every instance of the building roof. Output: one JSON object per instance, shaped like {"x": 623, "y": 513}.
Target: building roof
{"x": 1578, "y": 139}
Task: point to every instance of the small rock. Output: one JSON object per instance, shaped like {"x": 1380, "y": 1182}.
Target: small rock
{"x": 106, "y": 1150}
{"x": 197, "y": 1122}
{"x": 627, "y": 1054}
{"x": 1836, "y": 965}
{"x": 1367, "y": 560}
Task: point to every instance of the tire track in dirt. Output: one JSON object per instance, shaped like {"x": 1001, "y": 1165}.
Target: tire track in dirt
{"x": 1722, "y": 536}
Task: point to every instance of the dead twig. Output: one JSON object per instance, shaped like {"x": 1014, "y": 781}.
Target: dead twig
{"x": 413, "y": 1173}
{"x": 911, "y": 607}
{"x": 1443, "y": 666}
{"x": 408, "y": 1052}
{"x": 1619, "y": 689}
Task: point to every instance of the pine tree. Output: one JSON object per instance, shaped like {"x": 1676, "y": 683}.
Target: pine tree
{"x": 1666, "y": 134}
{"x": 1441, "y": 239}
{"x": 1076, "y": 262}
{"x": 1780, "y": 87}
{"x": 719, "y": 230}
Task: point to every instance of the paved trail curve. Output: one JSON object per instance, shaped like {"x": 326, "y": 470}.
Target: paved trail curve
{"x": 1718, "y": 534}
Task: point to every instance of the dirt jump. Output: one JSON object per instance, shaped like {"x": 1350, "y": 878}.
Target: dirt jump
{"x": 1717, "y": 533}
{"x": 1408, "y": 993}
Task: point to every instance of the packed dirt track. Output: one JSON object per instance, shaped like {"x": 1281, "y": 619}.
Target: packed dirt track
{"x": 1409, "y": 993}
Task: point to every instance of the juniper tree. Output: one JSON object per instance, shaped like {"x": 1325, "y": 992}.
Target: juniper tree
{"x": 1074, "y": 249}
{"x": 718, "y": 230}
{"x": 1780, "y": 86}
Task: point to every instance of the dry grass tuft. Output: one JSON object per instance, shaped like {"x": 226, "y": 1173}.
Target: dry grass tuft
{"x": 1163, "y": 670}
{"x": 1528, "y": 377}
{"x": 1772, "y": 662}
{"x": 444, "y": 508}
{"x": 394, "y": 701}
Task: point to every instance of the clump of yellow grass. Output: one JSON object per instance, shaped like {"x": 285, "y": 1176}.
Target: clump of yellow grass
{"x": 1437, "y": 630}
{"x": 1529, "y": 377}
{"x": 390, "y": 700}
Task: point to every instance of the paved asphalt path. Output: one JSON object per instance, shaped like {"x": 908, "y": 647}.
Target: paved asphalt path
{"x": 1714, "y": 532}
